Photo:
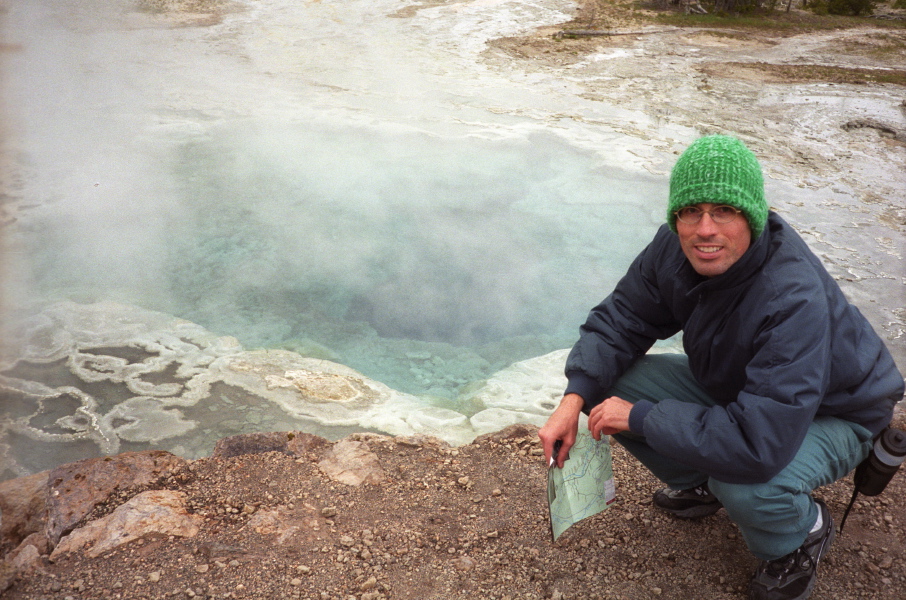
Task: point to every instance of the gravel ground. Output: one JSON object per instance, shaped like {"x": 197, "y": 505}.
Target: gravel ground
{"x": 451, "y": 522}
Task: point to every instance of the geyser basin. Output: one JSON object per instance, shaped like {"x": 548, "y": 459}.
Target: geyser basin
{"x": 320, "y": 182}
{"x": 428, "y": 264}
{"x": 363, "y": 246}
{"x": 213, "y": 217}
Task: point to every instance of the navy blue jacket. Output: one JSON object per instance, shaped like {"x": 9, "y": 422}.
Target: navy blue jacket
{"x": 772, "y": 339}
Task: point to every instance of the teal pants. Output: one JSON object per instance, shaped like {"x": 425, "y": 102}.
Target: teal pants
{"x": 774, "y": 517}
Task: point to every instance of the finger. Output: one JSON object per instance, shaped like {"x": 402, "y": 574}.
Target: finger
{"x": 593, "y": 426}
{"x": 563, "y": 455}
{"x": 548, "y": 444}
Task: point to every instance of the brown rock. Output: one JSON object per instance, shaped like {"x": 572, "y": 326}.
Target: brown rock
{"x": 267, "y": 522}
{"x": 464, "y": 563}
{"x": 76, "y": 488}
{"x": 155, "y": 511}
{"x": 283, "y": 523}
{"x": 23, "y": 508}
{"x": 420, "y": 440}
{"x": 353, "y": 463}
{"x": 7, "y": 575}
{"x": 520, "y": 430}
{"x": 38, "y": 541}
{"x": 26, "y": 559}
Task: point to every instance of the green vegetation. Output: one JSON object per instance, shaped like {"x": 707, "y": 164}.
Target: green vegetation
{"x": 774, "y": 16}
{"x": 880, "y": 45}
{"x": 854, "y": 8}
{"x": 806, "y": 73}
{"x": 775, "y": 21}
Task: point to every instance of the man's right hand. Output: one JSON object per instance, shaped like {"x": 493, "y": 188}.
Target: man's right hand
{"x": 562, "y": 425}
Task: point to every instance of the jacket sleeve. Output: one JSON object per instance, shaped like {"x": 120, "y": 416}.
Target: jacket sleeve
{"x": 622, "y": 328}
{"x": 751, "y": 439}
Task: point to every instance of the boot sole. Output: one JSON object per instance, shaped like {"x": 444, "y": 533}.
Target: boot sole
{"x": 694, "y": 512}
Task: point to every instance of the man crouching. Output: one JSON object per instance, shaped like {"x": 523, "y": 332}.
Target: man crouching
{"x": 782, "y": 386}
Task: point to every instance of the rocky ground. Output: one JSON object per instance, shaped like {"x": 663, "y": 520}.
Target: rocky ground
{"x": 286, "y": 516}
{"x": 369, "y": 517}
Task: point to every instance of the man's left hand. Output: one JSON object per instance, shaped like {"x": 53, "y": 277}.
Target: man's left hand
{"x": 609, "y": 417}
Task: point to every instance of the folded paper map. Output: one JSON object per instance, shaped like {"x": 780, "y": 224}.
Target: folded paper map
{"x": 584, "y": 486}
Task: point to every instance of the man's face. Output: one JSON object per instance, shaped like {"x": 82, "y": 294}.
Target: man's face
{"x": 711, "y": 247}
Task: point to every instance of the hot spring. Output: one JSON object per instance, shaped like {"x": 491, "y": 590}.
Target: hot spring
{"x": 279, "y": 215}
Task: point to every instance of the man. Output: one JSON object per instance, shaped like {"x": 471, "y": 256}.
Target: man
{"x": 782, "y": 387}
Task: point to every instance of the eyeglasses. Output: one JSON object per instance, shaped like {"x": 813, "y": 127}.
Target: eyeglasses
{"x": 691, "y": 215}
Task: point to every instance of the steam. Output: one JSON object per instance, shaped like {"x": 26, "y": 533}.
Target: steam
{"x": 359, "y": 223}
{"x": 405, "y": 232}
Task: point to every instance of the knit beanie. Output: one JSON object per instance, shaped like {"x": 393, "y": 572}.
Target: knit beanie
{"x": 719, "y": 169}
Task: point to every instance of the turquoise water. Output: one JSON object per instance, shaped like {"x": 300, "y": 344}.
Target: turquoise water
{"x": 341, "y": 181}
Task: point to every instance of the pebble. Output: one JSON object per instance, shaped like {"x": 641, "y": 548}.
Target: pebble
{"x": 369, "y": 584}
{"x": 464, "y": 563}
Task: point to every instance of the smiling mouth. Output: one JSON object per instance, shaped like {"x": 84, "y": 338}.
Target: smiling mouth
{"x": 708, "y": 249}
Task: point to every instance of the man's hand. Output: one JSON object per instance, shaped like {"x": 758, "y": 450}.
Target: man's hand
{"x": 609, "y": 417}
{"x": 562, "y": 425}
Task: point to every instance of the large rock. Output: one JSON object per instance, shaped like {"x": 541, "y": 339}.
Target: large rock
{"x": 23, "y": 504}
{"x": 352, "y": 462}
{"x": 285, "y": 524}
{"x": 156, "y": 511}
{"x": 75, "y": 489}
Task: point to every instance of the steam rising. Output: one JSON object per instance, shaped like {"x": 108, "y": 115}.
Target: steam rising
{"x": 194, "y": 194}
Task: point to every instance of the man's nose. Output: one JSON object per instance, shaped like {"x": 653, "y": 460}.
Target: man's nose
{"x": 706, "y": 226}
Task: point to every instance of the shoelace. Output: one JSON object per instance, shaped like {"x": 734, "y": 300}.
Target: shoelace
{"x": 699, "y": 491}
{"x": 797, "y": 560}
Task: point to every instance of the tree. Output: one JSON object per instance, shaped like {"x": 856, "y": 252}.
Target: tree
{"x": 850, "y": 7}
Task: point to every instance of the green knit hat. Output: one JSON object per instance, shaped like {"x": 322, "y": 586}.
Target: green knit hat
{"x": 719, "y": 169}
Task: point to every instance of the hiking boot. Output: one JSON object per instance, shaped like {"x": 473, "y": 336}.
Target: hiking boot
{"x": 693, "y": 503}
{"x": 793, "y": 576}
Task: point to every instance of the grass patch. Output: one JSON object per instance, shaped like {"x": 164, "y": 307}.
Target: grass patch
{"x": 602, "y": 14}
{"x": 775, "y": 21}
{"x": 765, "y": 20}
{"x": 821, "y": 73}
{"x": 882, "y": 45}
